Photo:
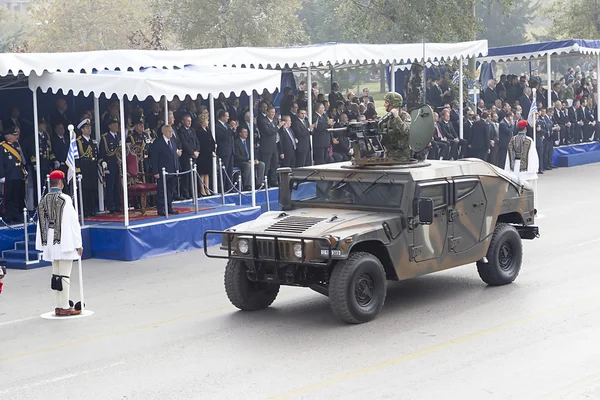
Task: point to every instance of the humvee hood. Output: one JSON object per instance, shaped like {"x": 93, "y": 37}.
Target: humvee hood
{"x": 316, "y": 222}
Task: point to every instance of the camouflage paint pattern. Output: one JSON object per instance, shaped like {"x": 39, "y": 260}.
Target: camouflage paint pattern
{"x": 476, "y": 196}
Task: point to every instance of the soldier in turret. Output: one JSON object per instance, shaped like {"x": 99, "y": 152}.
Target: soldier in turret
{"x": 395, "y": 126}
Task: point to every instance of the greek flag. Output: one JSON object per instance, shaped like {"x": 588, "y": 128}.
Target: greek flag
{"x": 532, "y": 111}
{"x": 72, "y": 154}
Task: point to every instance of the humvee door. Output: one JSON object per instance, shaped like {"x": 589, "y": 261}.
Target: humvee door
{"x": 429, "y": 240}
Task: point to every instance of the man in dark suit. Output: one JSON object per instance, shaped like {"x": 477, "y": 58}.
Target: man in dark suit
{"x": 453, "y": 139}
{"x": 224, "y": 141}
{"x": 289, "y": 143}
{"x": 269, "y": 154}
{"x": 505, "y": 134}
{"x": 480, "y": 139}
{"x": 576, "y": 117}
{"x": 190, "y": 149}
{"x": 525, "y": 103}
{"x": 302, "y": 131}
{"x": 440, "y": 140}
{"x": 321, "y": 137}
{"x": 241, "y": 156}
{"x": 164, "y": 155}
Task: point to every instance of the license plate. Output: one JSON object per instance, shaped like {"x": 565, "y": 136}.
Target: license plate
{"x": 333, "y": 252}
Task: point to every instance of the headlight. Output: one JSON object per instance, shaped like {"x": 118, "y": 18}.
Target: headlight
{"x": 298, "y": 250}
{"x": 243, "y": 246}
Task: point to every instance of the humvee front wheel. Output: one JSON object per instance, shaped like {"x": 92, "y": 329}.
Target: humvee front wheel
{"x": 245, "y": 294}
{"x": 357, "y": 288}
{"x": 504, "y": 256}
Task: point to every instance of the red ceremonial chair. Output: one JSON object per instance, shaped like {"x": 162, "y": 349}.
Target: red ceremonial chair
{"x": 135, "y": 184}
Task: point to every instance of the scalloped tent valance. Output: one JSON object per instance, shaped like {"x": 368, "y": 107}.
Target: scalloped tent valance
{"x": 541, "y": 49}
{"x": 153, "y": 82}
{"x": 257, "y": 57}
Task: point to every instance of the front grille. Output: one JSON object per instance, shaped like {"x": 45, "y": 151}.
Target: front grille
{"x": 294, "y": 224}
{"x": 266, "y": 249}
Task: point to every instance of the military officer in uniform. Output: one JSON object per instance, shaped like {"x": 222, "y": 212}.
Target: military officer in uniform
{"x": 87, "y": 165}
{"x": 140, "y": 140}
{"x": 12, "y": 174}
{"x": 45, "y": 161}
{"x": 110, "y": 148}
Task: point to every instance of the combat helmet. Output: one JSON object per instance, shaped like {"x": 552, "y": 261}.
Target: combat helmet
{"x": 395, "y": 99}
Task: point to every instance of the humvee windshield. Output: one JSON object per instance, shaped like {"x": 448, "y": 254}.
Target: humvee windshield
{"x": 375, "y": 194}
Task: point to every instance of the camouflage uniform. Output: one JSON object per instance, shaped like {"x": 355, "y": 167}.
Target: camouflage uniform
{"x": 396, "y": 130}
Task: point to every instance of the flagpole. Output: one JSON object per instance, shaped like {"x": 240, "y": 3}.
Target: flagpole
{"x": 73, "y": 177}
{"x": 532, "y": 115}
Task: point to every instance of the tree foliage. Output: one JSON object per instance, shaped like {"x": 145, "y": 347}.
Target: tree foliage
{"x": 574, "y": 19}
{"x": 505, "y": 28}
{"x": 230, "y": 23}
{"x": 152, "y": 41}
{"x": 83, "y": 25}
{"x": 321, "y": 22}
{"x": 12, "y": 31}
{"x": 407, "y": 21}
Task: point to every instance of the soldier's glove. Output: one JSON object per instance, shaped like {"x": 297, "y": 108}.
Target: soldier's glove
{"x": 2, "y": 180}
{"x": 104, "y": 165}
{"x": 56, "y": 165}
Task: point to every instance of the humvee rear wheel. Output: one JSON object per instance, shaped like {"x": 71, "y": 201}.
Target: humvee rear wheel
{"x": 245, "y": 294}
{"x": 504, "y": 256}
{"x": 357, "y": 288}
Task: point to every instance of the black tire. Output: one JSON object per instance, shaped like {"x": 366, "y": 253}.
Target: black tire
{"x": 504, "y": 257}
{"x": 245, "y": 294}
{"x": 357, "y": 288}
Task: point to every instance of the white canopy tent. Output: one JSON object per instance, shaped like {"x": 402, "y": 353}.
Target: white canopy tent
{"x": 257, "y": 57}
{"x": 193, "y": 80}
{"x": 541, "y": 50}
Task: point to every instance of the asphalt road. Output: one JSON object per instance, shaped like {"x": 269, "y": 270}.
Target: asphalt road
{"x": 164, "y": 329}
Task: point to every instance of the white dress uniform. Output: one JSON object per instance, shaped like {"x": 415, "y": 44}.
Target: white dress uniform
{"x": 525, "y": 162}
{"x": 58, "y": 236}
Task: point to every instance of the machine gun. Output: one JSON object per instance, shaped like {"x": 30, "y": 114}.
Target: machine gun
{"x": 365, "y": 138}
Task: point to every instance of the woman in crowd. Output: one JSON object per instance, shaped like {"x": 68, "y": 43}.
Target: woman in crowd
{"x": 207, "y": 153}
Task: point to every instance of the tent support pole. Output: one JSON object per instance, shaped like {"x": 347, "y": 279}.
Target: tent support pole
{"x": 97, "y": 135}
{"x": 211, "y": 104}
{"x": 549, "y": 67}
{"x": 251, "y": 136}
{"x": 309, "y": 111}
{"x": 124, "y": 161}
{"x": 167, "y": 111}
{"x": 38, "y": 179}
{"x": 598, "y": 86}
{"x": 460, "y": 98}
{"x": 393, "y": 77}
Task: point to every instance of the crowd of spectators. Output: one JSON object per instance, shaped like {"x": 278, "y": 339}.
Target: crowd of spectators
{"x": 283, "y": 138}
{"x": 487, "y": 129}
{"x": 280, "y": 139}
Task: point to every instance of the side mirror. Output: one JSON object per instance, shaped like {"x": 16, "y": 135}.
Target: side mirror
{"x": 284, "y": 188}
{"x": 425, "y": 207}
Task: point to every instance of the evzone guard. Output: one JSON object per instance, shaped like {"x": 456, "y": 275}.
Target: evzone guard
{"x": 58, "y": 237}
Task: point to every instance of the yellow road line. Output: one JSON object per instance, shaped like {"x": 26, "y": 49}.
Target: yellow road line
{"x": 112, "y": 334}
{"x": 426, "y": 351}
{"x": 123, "y": 332}
{"x": 571, "y": 387}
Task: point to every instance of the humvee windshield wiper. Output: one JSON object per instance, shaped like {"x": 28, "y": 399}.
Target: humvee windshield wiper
{"x": 305, "y": 179}
{"x": 343, "y": 180}
{"x": 374, "y": 182}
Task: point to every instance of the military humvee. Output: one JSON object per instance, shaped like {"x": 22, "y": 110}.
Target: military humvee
{"x": 345, "y": 230}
